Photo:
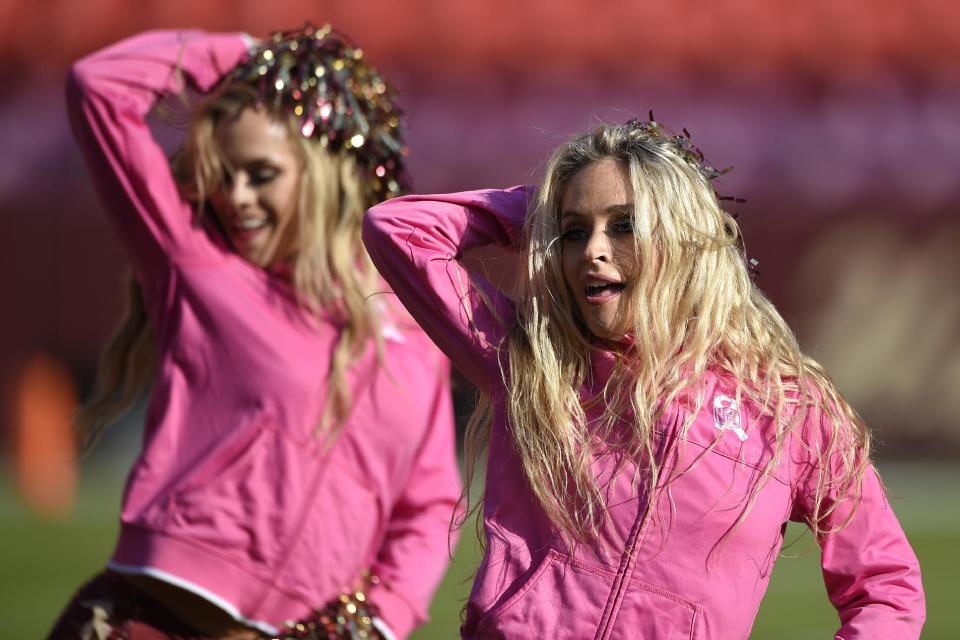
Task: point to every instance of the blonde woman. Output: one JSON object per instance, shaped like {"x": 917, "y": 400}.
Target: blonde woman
{"x": 298, "y": 461}
{"x": 649, "y": 422}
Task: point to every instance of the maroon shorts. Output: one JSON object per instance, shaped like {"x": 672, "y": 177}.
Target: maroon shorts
{"x": 112, "y": 608}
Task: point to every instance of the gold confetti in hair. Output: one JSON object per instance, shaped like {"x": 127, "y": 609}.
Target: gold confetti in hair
{"x": 685, "y": 147}
{"x": 683, "y": 143}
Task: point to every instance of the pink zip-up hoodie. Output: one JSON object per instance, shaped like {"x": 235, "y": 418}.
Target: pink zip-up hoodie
{"x": 683, "y": 571}
{"x": 234, "y": 496}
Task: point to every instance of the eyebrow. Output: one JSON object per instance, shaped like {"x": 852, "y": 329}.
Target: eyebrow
{"x": 625, "y": 209}
{"x": 614, "y": 209}
{"x": 258, "y": 161}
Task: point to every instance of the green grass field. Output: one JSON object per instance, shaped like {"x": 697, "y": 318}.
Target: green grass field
{"x": 43, "y": 562}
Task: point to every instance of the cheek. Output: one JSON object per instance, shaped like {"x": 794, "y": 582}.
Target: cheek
{"x": 625, "y": 256}
{"x": 569, "y": 261}
{"x": 286, "y": 197}
{"x": 219, "y": 205}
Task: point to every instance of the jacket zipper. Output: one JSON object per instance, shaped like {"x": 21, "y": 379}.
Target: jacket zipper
{"x": 618, "y": 590}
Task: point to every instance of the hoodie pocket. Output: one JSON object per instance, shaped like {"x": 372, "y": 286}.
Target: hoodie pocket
{"x": 243, "y": 496}
{"x": 342, "y": 532}
{"x": 648, "y": 611}
{"x": 565, "y": 598}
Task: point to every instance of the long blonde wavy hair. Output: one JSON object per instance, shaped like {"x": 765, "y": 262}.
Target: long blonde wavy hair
{"x": 331, "y": 270}
{"x": 691, "y": 306}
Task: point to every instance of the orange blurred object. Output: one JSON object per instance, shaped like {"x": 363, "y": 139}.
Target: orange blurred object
{"x": 43, "y": 444}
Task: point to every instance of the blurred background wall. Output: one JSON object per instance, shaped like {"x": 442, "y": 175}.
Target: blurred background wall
{"x": 840, "y": 118}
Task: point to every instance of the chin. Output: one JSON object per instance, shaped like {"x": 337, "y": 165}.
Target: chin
{"x": 599, "y": 328}
{"x": 604, "y": 332}
{"x": 253, "y": 257}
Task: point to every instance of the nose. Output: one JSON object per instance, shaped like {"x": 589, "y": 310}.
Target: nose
{"x": 597, "y": 248}
{"x": 240, "y": 191}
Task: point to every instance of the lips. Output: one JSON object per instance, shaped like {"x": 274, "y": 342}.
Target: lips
{"x": 249, "y": 224}
{"x": 601, "y": 289}
{"x": 244, "y": 230}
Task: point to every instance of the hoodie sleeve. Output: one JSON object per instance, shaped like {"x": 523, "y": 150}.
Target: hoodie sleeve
{"x": 418, "y": 242}
{"x": 109, "y": 94}
{"x": 871, "y": 573}
{"x": 418, "y": 541}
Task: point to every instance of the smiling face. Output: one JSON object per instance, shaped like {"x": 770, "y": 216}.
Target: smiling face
{"x": 598, "y": 254}
{"x": 257, "y": 204}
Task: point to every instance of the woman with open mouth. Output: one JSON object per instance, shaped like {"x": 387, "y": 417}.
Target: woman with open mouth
{"x": 298, "y": 462}
{"x": 648, "y": 420}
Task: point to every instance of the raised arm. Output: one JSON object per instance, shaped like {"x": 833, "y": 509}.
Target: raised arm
{"x": 109, "y": 94}
{"x": 870, "y": 571}
{"x": 418, "y": 242}
{"x": 416, "y": 549}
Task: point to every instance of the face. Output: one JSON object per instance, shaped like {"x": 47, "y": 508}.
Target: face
{"x": 597, "y": 251}
{"x": 258, "y": 201}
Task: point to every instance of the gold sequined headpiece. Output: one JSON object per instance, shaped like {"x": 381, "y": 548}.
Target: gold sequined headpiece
{"x": 339, "y": 100}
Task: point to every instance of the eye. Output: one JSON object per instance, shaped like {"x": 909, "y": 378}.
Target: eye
{"x": 622, "y": 225}
{"x": 263, "y": 175}
{"x": 573, "y": 233}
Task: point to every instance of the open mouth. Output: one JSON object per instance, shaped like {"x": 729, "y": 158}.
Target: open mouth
{"x": 602, "y": 292}
{"x": 249, "y": 224}
{"x": 598, "y": 289}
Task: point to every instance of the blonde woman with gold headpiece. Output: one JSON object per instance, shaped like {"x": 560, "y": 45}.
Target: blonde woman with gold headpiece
{"x": 298, "y": 461}
{"x": 648, "y": 422}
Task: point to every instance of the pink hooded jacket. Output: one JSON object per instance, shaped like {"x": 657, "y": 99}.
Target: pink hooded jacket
{"x": 670, "y": 575}
{"x": 234, "y": 497}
